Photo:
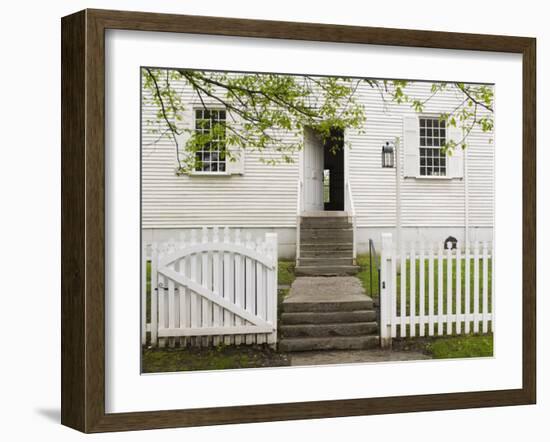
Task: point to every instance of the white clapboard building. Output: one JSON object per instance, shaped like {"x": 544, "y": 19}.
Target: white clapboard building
{"x": 331, "y": 203}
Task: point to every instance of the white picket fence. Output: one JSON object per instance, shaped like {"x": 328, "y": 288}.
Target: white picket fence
{"x": 451, "y": 295}
{"x": 219, "y": 288}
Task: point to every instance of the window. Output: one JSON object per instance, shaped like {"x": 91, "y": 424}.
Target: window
{"x": 210, "y": 124}
{"x": 433, "y": 161}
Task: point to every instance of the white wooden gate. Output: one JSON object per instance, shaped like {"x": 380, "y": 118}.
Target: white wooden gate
{"x": 441, "y": 291}
{"x": 212, "y": 290}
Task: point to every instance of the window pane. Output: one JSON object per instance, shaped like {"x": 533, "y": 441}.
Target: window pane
{"x": 432, "y": 159}
{"x": 209, "y": 124}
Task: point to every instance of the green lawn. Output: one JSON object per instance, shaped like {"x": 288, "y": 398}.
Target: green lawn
{"x": 365, "y": 274}
{"x": 471, "y": 346}
{"x": 448, "y": 347}
{"x": 222, "y": 357}
{"x": 285, "y": 275}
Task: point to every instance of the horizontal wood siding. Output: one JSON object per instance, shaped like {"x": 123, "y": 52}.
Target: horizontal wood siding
{"x": 265, "y": 195}
{"x": 481, "y": 158}
{"x": 262, "y": 196}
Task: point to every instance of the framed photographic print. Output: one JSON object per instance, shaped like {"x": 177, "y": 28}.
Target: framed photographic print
{"x": 268, "y": 220}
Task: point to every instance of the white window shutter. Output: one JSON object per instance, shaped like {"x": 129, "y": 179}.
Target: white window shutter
{"x": 234, "y": 164}
{"x": 411, "y": 146}
{"x": 456, "y": 160}
{"x": 235, "y": 161}
{"x": 185, "y": 125}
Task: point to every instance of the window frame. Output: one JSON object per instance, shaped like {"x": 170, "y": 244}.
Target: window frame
{"x": 444, "y": 176}
{"x": 194, "y": 128}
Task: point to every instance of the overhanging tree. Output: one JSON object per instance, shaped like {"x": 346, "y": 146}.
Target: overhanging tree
{"x": 264, "y": 108}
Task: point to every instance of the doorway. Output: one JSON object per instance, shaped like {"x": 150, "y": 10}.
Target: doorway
{"x": 324, "y": 171}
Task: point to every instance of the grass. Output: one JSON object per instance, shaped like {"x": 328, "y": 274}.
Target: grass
{"x": 367, "y": 275}
{"x": 211, "y": 358}
{"x": 470, "y": 346}
{"x": 448, "y": 347}
{"x": 285, "y": 275}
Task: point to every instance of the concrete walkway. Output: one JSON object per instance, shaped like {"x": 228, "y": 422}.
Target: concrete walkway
{"x": 328, "y": 320}
{"x": 326, "y": 289}
{"x": 327, "y": 313}
{"x": 352, "y": 357}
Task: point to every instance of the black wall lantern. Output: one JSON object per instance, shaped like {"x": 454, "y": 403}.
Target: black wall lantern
{"x": 388, "y": 155}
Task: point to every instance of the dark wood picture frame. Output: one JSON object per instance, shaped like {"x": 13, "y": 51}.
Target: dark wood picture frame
{"x": 83, "y": 220}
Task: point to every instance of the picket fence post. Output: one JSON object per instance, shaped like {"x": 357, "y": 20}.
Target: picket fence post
{"x": 271, "y": 243}
{"x": 386, "y": 290}
{"x": 154, "y": 296}
{"x": 144, "y": 294}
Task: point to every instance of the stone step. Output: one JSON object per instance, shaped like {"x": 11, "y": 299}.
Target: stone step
{"x": 325, "y": 214}
{"x": 328, "y": 330}
{"x": 291, "y": 318}
{"x": 327, "y": 253}
{"x": 327, "y": 261}
{"x": 329, "y": 343}
{"x": 326, "y": 247}
{"x": 330, "y": 270}
{"x": 326, "y": 306}
{"x": 325, "y": 223}
{"x": 326, "y": 236}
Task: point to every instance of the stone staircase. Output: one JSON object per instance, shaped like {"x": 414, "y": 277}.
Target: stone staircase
{"x": 326, "y": 245}
{"x": 328, "y": 314}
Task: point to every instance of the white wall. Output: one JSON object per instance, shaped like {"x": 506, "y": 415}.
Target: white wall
{"x": 29, "y": 174}
{"x": 425, "y": 202}
{"x": 265, "y": 195}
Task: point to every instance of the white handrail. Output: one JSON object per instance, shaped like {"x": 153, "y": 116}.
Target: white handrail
{"x": 350, "y": 208}
{"x": 298, "y": 219}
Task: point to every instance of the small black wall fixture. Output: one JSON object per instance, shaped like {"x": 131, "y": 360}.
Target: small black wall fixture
{"x": 388, "y": 155}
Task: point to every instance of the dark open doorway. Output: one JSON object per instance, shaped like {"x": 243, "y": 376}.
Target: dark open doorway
{"x": 333, "y": 173}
